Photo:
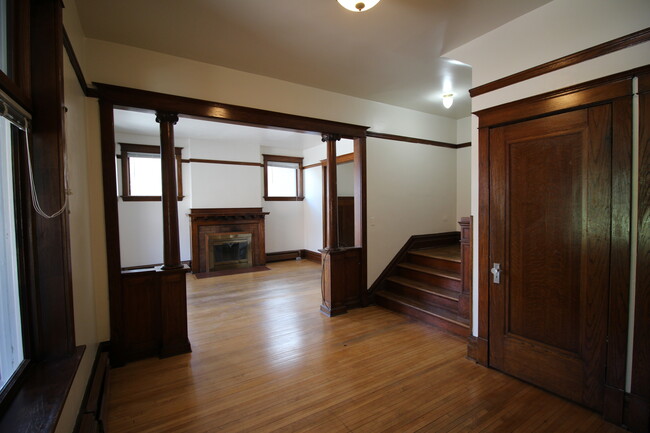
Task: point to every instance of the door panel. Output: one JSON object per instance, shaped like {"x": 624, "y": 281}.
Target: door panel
{"x": 550, "y": 216}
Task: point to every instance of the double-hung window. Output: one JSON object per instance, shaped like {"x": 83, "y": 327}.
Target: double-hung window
{"x": 11, "y": 346}
{"x": 282, "y": 178}
{"x": 142, "y": 174}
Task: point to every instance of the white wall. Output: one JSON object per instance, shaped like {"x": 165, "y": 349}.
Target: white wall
{"x": 313, "y": 208}
{"x": 552, "y": 31}
{"x": 411, "y": 190}
{"x": 81, "y": 250}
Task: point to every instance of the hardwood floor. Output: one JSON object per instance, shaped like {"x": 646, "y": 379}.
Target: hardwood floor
{"x": 264, "y": 359}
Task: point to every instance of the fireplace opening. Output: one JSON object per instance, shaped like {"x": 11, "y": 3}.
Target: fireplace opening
{"x": 229, "y": 251}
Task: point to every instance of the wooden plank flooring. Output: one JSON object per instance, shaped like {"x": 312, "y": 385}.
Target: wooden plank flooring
{"x": 265, "y": 360}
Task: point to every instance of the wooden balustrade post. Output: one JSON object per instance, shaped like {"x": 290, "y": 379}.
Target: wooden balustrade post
{"x": 332, "y": 193}
{"x": 171, "y": 244}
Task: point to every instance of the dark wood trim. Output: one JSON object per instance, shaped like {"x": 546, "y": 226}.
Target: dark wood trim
{"x": 317, "y": 164}
{"x": 312, "y": 256}
{"x": 640, "y": 407}
{"x": 341, "y": 159}
{"x": 128, "y": 148}
{"x": 279, "y": 256}
{"x": 332, "y": 194}
{"x": 150, "y": 267}
{"x": 462, "y": 145}
{"x": 223, "y": 211}
{"x": 171, "y": 239}
{"x": 67, "y": 44}
{"x": 52, "y": 242}
{"x": 623, "y": 42}
{"x": 410, "y": 139}
{"x": 615, "y": 90}
{"x": 483, "y": 238}
{"x": 38, "y": 403}
{"x": 619, "y": 285}
{"x": 299, "y": 178}
{"x": 465, "y": 296}
{"x": 129, "y": 98}
{"x": 217, "y": 161}
{"x": 414, "y": 242}
{"x": 568, "y": 98}
{"x": 477, "y": 350}
{"x": 17, "y": 83}
{"x": 112, "y": 235}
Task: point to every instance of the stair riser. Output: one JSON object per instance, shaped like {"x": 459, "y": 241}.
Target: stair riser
{"x": 434, "y": 262}
{"x": 422, "y": 296}
{"x": 435, "y": 280}
{"x": 417, "y": 314}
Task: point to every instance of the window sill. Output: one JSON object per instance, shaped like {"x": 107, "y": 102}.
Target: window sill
{"x": 283, "y": 198}
{"x": 37, "y": 404}
{"x": 146, "y": 198}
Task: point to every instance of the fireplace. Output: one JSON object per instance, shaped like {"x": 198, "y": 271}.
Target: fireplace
{"x": 229, "y": 251}
{"x": 227, "y": 238}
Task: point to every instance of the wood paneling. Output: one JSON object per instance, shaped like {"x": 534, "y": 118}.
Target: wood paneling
{"x": 640, "y": 407}
{"x": 263, "y": 361}
{"x": 466, "y": 258}
{"x": 341, "y": 282}
{"x": 623, "y": 42}
{"x": 346, "y": 221}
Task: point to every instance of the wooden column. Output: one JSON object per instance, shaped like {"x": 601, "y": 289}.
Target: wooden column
{"x": 172, "y": 253}
{"x": 332, "y": 193}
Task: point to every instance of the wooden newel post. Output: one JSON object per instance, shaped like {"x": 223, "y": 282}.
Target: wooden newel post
{"x": 172, "y": 250}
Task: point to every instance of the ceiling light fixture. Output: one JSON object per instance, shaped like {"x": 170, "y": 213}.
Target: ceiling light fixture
{"x": 358, "y": 6}
{"x": 447, "y": 99}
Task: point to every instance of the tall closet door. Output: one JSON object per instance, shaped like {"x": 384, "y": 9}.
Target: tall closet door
{"x": 550, "y": 236}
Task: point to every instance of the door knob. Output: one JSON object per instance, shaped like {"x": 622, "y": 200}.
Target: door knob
{"x": 496, "y": 273}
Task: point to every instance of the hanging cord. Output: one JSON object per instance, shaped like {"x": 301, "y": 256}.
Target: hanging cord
{"x": 35, "y": 202}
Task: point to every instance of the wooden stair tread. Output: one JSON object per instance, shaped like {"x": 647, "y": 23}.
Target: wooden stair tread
{"x": 427, "y": 270}
{"x": 446, "y": 252}
{"x": 428, "y": 309}
{"x": 435, "y": 290}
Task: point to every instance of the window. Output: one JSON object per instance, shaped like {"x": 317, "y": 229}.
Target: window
{"x": 11, "y": 347}
{"x": 282, "y": 178}
{"x": 141, "y": 172}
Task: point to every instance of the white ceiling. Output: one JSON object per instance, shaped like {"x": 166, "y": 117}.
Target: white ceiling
{"x": 389, "y": 54}
{"x": 142, "y": 123}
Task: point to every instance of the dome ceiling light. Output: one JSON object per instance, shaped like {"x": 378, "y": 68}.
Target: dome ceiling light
{"x": 358, "y": 6}
{"x": 447, "y": 100}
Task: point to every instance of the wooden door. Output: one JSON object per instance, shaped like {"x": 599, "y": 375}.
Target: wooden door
{"x": 550, "y": 216}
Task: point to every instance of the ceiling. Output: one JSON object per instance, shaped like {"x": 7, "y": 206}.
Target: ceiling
{"x": 390, "y": 53}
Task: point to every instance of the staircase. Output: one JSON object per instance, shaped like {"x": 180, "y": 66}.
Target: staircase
{"x": 426, "y": 284}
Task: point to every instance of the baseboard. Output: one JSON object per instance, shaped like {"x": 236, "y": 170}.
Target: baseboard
{"x": 310, "y": 255}
{"x": 283, "y": 255}
{"x": 477, "y": 350}
{"x": 92, "y": 412}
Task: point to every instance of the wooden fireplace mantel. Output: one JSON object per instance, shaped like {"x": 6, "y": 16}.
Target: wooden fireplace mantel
{"x": 227, "y": 220}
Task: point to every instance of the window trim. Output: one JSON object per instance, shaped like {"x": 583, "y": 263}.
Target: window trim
{"x": 299, "y": 183}
{"x": 129, "y": 148}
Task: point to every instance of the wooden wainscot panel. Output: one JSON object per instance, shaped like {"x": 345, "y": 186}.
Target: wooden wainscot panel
{"x": 154, "y": 311}
{"x": 341, "y": 281}
{"x": 464, "y": 299}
